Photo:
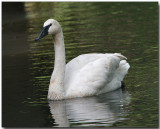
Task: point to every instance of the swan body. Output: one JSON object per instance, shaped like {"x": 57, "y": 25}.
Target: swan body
{"x": 85, "y": 75}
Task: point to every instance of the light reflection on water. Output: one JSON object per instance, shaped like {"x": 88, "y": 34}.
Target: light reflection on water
{"x": 127, "y": 28}
{"x": 100, "y": 111}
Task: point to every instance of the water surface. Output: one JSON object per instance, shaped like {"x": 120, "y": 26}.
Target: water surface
{"x": 127, "y": 28}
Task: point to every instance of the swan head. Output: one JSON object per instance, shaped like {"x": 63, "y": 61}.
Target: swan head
{"x": 51, "y": 27}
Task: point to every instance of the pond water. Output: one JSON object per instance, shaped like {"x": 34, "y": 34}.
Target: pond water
{"x": 127, "y": 28}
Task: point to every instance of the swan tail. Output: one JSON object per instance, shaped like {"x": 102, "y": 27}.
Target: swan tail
{"x": 119, "y": 55}
{"x": 122, "y": 70}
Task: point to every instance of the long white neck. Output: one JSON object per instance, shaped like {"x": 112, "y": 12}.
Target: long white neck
{"x": 56, "y": 88}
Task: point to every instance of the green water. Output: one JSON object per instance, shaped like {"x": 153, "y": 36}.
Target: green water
{"x": 103, "y": 27}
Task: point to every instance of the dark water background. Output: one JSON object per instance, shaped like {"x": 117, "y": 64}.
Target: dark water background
{"x": 127, "y": 28}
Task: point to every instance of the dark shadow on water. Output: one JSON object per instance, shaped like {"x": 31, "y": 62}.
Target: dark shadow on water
{"x": 15, "y": 63}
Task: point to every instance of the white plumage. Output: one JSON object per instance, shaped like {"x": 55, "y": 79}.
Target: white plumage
{"x": 85, "y": 75}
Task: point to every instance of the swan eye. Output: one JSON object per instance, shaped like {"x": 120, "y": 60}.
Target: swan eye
{"x": 49, "y": 25}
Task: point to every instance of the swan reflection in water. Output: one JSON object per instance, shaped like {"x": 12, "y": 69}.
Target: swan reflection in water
{"x": 102, "y": 110}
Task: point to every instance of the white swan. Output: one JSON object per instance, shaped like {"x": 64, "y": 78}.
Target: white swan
{"x": 85, "y": 75}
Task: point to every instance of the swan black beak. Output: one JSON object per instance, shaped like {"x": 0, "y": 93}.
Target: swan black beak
{"x": 43, "y": 33}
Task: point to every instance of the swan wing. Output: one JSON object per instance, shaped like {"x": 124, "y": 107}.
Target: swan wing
{"x": 92, "y": 76}
{"x": 78, "y": 63}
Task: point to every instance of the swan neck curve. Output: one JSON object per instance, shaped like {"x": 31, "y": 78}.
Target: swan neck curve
{"x": 56, "y": 88}
{"x": 59, "y": 48}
